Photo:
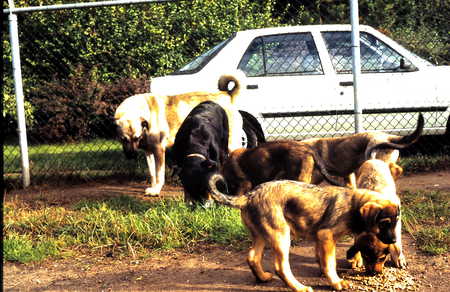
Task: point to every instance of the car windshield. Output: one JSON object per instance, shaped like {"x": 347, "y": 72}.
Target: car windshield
{"x": 198, "y": 63}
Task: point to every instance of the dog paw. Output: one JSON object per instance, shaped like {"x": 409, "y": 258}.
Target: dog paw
{"x": 305, "y": 289}
{"x": 265, "y": 277}
{"x": 151, "y": 192}
{"x": 356, "y": 261}
{"x": 341, "y": 285}
{"x": 400, "y": 262}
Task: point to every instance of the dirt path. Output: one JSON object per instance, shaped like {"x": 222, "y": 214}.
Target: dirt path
{"x": 213, "y": 268}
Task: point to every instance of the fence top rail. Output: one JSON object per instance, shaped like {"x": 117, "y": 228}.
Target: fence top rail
{"x": 80, "y": 5}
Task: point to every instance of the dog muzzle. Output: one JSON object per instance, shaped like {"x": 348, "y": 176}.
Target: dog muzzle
{"x": 387, "y": 238}
{"x": 130, "y": 149}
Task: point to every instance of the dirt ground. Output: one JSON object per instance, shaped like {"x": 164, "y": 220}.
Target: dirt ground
{"x": 210, "y": 267}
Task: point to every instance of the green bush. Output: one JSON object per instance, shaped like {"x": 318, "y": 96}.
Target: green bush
{"x": 128, "y": 42}
{"x": 80, "y": 107}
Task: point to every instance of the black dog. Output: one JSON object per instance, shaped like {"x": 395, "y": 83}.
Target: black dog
{"x": 201, "y": 146}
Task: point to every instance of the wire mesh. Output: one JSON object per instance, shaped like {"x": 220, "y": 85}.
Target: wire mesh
{"x": 78, "y": 65}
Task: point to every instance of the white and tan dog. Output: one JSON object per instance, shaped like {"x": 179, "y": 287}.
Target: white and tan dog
{"x": 379, "y": 176}
{"x": 150, "y": 122}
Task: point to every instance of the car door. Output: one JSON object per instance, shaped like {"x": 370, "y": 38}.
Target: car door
{"x": 286, "y": 80}
{"x": 391, "y": 89}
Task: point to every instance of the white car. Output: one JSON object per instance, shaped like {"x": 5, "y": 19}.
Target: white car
{"x": 299, "y": 81}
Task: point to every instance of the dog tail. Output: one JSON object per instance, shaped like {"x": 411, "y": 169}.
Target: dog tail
{"x": 224, "y": 82}
{"x": 218, "y": 181}
{"x": 323, "y": 169}
{"x": 399, "y": 142}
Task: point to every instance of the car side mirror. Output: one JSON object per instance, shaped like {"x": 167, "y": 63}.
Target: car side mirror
{"x": 407, "y": 66}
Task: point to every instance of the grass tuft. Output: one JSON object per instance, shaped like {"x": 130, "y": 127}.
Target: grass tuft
{"x": 121, "y": 225}
{"x": 425, "y": 163}
{"x": 426, "y": 216}
{"x": 21, "y": 248}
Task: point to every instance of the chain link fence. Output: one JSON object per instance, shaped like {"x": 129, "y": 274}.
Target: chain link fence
{"x": 79, "y": 64}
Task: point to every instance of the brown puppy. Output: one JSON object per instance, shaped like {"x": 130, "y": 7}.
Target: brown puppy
{"x": 150, "y": 122}
{"x": 344, "y": 155}
{"x": 274, "y": 210}
{"x": 368, "y": 249}
{"x": 247, "y": 168}
{"x": 379, "y": 176}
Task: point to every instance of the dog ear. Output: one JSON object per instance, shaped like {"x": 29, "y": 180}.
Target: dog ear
{"x": 369, "y": 212}
{"x": 396, "y": 170}
{"x": 209, "y": 164}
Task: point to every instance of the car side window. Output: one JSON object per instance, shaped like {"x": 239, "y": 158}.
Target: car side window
{"x": 376, "y": 56}
{"x": 283, "y": 54}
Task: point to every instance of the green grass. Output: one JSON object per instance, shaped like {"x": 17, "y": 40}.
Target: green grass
{"x": 130, "y": 226}
{"x": 79, "y": 161}
{"x": 94, "y": 155}
{"x": 426, "y": 216}
{"x": 125, "y": 224}
{"x": 22, "y": 248}
{"x": 106, "y": 155}
{"x": 425, "y": 163}
{"x": 102, "y": 158}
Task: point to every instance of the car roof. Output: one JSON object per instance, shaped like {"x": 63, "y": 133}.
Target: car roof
{"x": 301, "y": 28}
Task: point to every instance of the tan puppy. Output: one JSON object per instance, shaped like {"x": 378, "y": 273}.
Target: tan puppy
{"x": 150, "y": 122}
{"x": 379, "y": 176}
{"x": 246, "y": 168}
{"x": 274, "y": 210}
{"x": 344, "y": 155}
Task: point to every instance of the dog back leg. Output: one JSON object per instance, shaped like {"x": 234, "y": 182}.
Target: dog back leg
{"x": 281, "y": 245}
{"x": 327, "y": 253}
{"x": 254, "y": 259}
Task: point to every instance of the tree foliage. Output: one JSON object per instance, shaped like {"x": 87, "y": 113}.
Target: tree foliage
{"x": 117, "y": 42}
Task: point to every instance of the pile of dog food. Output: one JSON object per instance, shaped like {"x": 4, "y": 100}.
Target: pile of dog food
{"x": 392, "y": 279}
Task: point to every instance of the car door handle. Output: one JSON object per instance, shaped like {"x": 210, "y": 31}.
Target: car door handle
{"x": 346, "y": 83}
{"x": 252, "y": 86}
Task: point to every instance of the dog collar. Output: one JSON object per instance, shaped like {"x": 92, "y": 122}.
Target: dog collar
{"x": 196, "y": 155}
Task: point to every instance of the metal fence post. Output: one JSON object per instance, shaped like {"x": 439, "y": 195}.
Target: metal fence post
{"x": 18, "y": 89}
{"x": 356, "y": 63}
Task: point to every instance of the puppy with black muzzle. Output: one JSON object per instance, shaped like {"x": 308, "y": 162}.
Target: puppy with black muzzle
{"x": 150, "y": 122}
{"x": 379, "y": 176}
{"x": 344, "y": 155}
{"x": 283, "y": 159}
{"x": 275, "y": 210}
{"x": 369, "y": 251}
